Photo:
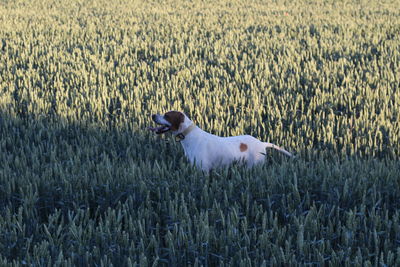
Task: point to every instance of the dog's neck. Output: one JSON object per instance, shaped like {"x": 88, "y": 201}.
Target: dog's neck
{"x": 189, "y": 129}
{"x": 190, "y": 134}
{"x": 181, "y": 136}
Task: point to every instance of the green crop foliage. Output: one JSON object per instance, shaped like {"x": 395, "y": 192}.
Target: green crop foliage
{"x": 82, "y": 183}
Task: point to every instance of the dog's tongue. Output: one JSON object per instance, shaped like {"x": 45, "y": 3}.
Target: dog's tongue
{"x": 153, "y": 129}
{"x": 159, "y": 130}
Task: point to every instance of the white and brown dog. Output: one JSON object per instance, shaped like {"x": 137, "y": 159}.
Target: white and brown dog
{"x": 209, "y": 151}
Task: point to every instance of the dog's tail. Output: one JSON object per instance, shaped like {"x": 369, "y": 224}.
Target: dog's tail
{"x": 270, "y": 145}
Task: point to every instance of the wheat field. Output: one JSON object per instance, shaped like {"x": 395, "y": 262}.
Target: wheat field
{"x": 82, "y": 183}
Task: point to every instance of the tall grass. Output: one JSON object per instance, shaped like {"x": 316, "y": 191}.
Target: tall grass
{"x": 82, "y": 183}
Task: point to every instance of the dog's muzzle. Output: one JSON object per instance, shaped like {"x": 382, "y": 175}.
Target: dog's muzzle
{"x": 159, "y": 130}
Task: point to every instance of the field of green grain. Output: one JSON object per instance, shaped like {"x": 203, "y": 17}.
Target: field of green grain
{"x": 82, "y": 183}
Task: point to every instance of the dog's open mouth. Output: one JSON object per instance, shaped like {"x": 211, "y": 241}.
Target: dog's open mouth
{"x": 160, "y": 130}
{"x": 165, "y": 125}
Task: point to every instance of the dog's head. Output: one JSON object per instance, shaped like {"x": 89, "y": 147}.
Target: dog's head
{"x": 173, "y": 121}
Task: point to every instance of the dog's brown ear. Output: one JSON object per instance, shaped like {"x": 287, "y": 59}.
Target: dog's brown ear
{"x": 175, "y": 118}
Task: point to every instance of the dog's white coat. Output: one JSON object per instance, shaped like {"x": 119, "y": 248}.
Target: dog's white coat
{"x": 208, "y": 151}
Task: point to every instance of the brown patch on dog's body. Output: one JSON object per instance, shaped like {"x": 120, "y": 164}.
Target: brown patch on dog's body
{"x": 175, "y": 118}
{"x": 242, "y": 147}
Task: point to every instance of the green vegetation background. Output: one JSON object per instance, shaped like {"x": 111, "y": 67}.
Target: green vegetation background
{"x": 82, "y": 183}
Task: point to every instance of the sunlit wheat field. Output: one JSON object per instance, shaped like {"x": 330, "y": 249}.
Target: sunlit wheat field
{"x": 83, "y": 183}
